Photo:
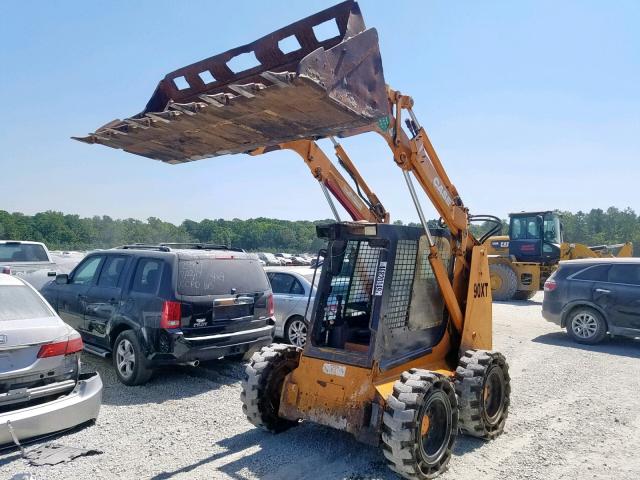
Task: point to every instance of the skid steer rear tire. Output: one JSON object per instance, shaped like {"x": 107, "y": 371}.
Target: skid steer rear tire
{"x": 524, "y": 294}
{"x": 484, "y": 390}
{"x": 262, "y": 386}
{"x": 504, "y": 282}
{"x": 420, "y": 424}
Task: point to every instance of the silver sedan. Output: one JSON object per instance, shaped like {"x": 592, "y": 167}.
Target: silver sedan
{"x": 291, "y": 292}
{"x": 41, "y": 388}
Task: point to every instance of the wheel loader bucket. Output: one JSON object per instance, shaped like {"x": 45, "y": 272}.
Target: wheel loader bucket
{"x": 321, "y": 87}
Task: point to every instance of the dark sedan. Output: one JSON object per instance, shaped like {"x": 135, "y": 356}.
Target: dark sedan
{"x": 593, "y": 298}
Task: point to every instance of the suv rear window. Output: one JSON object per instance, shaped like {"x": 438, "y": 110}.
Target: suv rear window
{"x": 19, "y": 302}
{"x": 210, "y": 276}
{"x": 22, "y": 252}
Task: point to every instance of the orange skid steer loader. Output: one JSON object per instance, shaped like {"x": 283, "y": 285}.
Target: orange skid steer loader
{"x": 399, "y": 348}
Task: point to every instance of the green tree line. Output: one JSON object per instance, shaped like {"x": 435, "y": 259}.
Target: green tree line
{"x": 71, "y": 232}
{"x": 61, "y": 231}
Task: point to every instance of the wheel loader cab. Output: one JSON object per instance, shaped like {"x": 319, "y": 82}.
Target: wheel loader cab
{"x": 535, "y": 237}
{"x": 372, "y": 277}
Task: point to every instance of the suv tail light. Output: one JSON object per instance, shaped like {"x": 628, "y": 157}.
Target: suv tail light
{"x": 171, "y": 315}
{"x": 71, "y": 345}
{"x": 270, "y": 308}
{"x": 550, "y": 285}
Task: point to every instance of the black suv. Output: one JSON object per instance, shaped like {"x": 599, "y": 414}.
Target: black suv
{"x": 167, "y": 304}
{"x": 591, "y": 297}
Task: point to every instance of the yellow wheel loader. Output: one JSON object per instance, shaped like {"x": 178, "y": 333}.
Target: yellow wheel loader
{"x": 522, "y": 261}
{"x": 399, "y": 352}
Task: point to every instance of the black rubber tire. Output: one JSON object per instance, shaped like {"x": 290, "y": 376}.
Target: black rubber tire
{"x": 402, "y": 440}
{"x": 524, "y": 294}
{"x": 474, "y": 370}
{"x": 601, "y": 326}
{"x": 286, "y": 330}
{"x": 141, "y": 372}
{"x": 509, "y": 286}
{"x": 262, "y": 386}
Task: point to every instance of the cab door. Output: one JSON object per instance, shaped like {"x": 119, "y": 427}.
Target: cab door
{"x": 72, "y": 296}
{"x": 524, "y": 238}
{"x": 103, "y": 299}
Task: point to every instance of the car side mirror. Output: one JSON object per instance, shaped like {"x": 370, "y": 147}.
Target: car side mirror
{"x": 62, "y": 279}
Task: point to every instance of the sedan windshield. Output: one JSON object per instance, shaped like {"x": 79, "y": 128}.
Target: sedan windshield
{"x": 19, "y": 302}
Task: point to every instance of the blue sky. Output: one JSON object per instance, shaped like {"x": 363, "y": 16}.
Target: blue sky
{"x": 531, "y": 105}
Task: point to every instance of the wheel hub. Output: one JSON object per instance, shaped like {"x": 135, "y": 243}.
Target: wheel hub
{"x": 125, "y": 358}
{"x": 584, "y": 325}
{"x": 435, "y": 427}
{"x": 425, "y": 425}
{"x": 493, "y": 395}
{"x": 298, "y": 333}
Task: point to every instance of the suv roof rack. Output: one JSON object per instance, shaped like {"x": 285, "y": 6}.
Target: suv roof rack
{"x": 166, "y": 247}
{"x": 201, "y": 246}
{"x": 142, "y": 246}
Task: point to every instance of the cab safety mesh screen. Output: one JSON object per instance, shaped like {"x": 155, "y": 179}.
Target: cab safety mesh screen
{"x": 351, "y": 289}
{"x": 401, "y": 282}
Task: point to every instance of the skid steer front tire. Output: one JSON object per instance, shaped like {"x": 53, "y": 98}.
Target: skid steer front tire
{"x": 504, "y": 282}
{"x": 262, "y": 386}
{"x": 420, "y": 423}
{"x": 484, "y": 390}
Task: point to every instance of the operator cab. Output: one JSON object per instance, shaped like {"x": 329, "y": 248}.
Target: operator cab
{"x": 535, "y": 236}
{"x": 370, "y": 269}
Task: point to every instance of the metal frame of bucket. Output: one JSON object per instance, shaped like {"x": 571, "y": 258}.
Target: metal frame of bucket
{"x": 325, "y": 88}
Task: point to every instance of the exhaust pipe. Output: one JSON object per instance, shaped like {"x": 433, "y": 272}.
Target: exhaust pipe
{"x": 194, "y": 363}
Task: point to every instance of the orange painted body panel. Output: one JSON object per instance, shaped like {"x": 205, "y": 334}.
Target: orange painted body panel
{"x": 478, "y": 325}
{"x": 331, "y": 394}
{"x": 341, "y": 396}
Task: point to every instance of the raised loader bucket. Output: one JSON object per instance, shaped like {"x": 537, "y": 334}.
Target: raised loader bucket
{"x": 324, "y": 87}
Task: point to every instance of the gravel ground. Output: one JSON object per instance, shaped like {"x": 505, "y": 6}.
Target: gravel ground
{"x": 575, "y": 415}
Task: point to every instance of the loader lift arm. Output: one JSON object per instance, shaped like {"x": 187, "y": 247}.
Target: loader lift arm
{"x": 355, "y": 203}
{"x": 416, "y": 155}
{"x": 331, "y": 87}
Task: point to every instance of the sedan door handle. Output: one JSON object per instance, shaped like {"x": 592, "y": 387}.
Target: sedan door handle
{"x": 602, "y": 290}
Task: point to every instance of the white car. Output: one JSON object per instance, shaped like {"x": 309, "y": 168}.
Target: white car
{"x": 291, "y": 287}
{"x": 41, "y": 388}
{"x": 285, "y": 259}
{"x": 33, "y": 262}
{"x": 269, "y": 258}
